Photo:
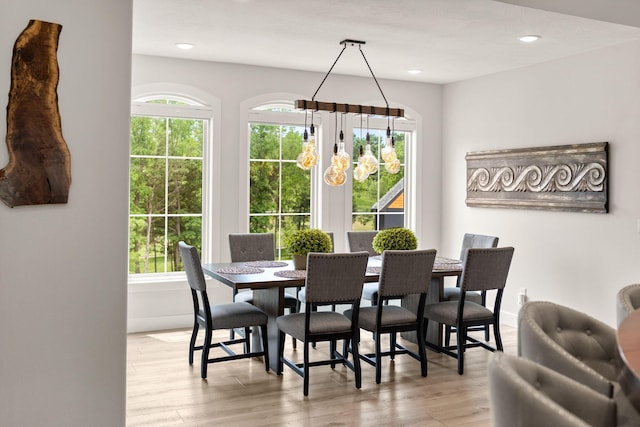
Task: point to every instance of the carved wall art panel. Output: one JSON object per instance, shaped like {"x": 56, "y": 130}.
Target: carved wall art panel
{"x": 565, "y": 177}
{"x": 39, "y": 168}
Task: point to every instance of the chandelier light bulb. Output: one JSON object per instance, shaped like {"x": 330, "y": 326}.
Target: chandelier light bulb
{"x": 369, "y": 161}
{"x": 308, "y": 157}
{"x": 393, "y": 167}
{"x": 343, "y": 157}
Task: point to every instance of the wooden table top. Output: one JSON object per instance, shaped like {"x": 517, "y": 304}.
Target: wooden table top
{"x": 246, "y": 276}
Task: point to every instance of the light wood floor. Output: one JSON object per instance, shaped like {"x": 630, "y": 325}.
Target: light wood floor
{"x": 163, "y": 390}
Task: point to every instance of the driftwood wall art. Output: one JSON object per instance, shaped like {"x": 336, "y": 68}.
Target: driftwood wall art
{"x": 39, "y": 169}
{"x": 567, "y": 178}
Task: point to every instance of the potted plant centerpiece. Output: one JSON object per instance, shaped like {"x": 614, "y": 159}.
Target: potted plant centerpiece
{"x": 398, "y": 238}
{"x": 301, "y": 242}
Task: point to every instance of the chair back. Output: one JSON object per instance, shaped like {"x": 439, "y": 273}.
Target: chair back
{"x": 335, "y": 277}
{"x": 628, "y": 300}
{"x": 333, "y": 246}
{"x": 526, "y": 394}
{"x": 486, "y": 269}
{"x": 406, "y": 272}
{"x": 192, "y": 266}
{"x": 476, "y": 241}
{"x": 252, "y": 247}
{"x": 361, "y": 241}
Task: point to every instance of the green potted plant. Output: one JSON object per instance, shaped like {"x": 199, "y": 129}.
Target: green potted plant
{"x": 301, "y": 242}
{"x": 398, "y": 238}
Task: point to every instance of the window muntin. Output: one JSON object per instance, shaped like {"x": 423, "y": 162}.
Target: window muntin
{"x": 166, "y": 185}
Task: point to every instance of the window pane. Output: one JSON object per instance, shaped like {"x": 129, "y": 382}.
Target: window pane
{"x": 263, "y": 224}
{"x": 185, "y": 186}
{"x": 186, "y": 228}
{"x": 148, "y": 136}
{"x": 291, "y": 142}
{"x": 146, "y": 245}
{"x": 363, "y": 222}
{"x": 265, "y": 142}
{"x": 399, "y": 142}
{"x": 296, "y": 189}
{"x": 147, "y": 178}
{"x": 185, "y": 138}
{"x": 264, "y": 187}
{"x": 365, "y": 194}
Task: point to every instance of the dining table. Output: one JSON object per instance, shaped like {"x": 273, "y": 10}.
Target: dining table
{"x": 269, "y": 279}
{"x": 628, "y": 338}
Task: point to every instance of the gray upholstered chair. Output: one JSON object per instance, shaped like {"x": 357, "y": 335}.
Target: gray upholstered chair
{"x": 628, "y": 300}
{"x": 570, "y": 342}
{"x": 219, "y": 316}
{"x": 403, "y": 273}
{"x": 578, "y": 346}
{"x": 300, "y": 292}
{"x": 484, "y": 270}
{"x": 526, "y": 394}
{"x": 331, "y": 279}
{"x": 453, "y": 293}
{"x": 246, "y": 247}
{"x": 363, "y": 241}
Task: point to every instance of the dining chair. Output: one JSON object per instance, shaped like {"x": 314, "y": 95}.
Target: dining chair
{"x": 627, "y": 300}
{"x": 363, "y": 241}
{"x": 403, "y": 273}
{"x": 484, "y": 270}
{"x": 453, "y": 293}
{"x": 300, "y": 292}
{"x": 247, "y": 247}
{"x": 219, "y": 316}
{"x": 526, "y": 394}
{"x": 331, "y": 279}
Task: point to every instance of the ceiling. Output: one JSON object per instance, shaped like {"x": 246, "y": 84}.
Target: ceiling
{"x": 450, "y": 40}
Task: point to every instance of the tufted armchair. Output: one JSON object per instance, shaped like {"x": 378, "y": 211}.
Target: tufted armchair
{"x": 627, "y": 301}
{"x": 526, "y": 394}
{"x": 571, "y": 343}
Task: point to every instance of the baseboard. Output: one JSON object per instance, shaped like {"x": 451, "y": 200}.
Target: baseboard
{"x": 159, "y": 323}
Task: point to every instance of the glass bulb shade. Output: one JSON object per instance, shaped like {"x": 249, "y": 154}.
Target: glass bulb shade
{"x": 359, "y": 173}
{"x": 393, "y": 167}
{"x": 308, "y": 157}
{"x": 388, "y": 152}
{"x": 334, "y": 177}
{"x": 343, "y": 157}
{"x": 369, "y": 161}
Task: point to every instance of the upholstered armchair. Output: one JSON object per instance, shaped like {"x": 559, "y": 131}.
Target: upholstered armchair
{"x": 526, "y": 394}
{"x": 570, "y": 342}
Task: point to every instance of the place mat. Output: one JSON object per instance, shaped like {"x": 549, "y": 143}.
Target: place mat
{"x": 291, "y": 274}
{"x": 265, "y": 264}
{"x": 442, "y": 260}
{"x": 374, "y": 270}
{"x": 239, "y": 270}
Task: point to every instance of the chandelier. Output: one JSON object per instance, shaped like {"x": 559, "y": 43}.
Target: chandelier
{"x": 335, "y": 175}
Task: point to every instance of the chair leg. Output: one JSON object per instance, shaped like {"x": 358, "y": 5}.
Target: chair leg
{"x": 192, "y": 343}
{"x": 265, "y": 346}
{"x": 305, "y": 380}
{"x": 486, "y": 333}
{"x": 461, "y": 337}
{"x": 392, "y": 340}
{"x": 356, "y": 361}
{"x": 332, "y": 353}
{"x": 422, "y": 351}
{"x": 281, "y": 340}
{"x": 447, "y": 335}
{"x": 247, "y": 340}
{"x": 378, "y": 358}
{"x": 205, "y": 353}
{"x": 496, "y": 333}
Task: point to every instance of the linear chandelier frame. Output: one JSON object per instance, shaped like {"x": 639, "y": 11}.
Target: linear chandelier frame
{"x": 335, "y": 107}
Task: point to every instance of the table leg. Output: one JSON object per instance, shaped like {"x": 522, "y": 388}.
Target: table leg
{"x": 434, "y": 331}
{"x": 271, "y": 301}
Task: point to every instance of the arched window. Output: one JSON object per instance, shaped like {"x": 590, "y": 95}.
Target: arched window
{"x": 168, "y": 137}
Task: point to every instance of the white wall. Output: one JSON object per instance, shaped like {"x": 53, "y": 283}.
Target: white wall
{"x": 63, "y": 267}
{"x": 576, "y": 259}
{"x": 235, "y": 86}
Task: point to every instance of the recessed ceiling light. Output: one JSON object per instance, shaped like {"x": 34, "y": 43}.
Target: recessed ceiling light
{"x": 185, "y": 46}
{"x": 414, "y": 71}
{"x": 530, "y": 38}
